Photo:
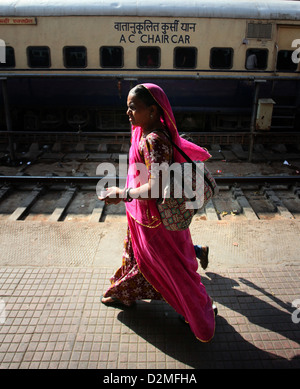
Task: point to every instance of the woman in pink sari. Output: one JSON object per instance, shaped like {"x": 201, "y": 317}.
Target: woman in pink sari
{"x": 157, "y": 263}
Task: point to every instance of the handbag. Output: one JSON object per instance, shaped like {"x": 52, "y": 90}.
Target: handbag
{"x": 177, "y": 211}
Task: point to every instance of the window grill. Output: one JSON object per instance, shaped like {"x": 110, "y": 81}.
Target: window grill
{"x": 259, "y": 30}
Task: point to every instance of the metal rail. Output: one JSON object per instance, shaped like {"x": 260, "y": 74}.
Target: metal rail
{"x": 119, "y": 137}
{"x": 93, "y": 180}
{"x": 163, "y": 74}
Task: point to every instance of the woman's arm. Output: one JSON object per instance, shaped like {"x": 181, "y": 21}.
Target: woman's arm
{"x": 157, "y": 153}
{"x": 150, "y": 190}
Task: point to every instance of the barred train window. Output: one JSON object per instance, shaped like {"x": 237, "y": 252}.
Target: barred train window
{"x": 9, "y": 59}
{"x": 38, "y": 56}
{"x": 221, "y": 57}
{"x": 75, "y": 56}
{"x": 185, "y": 57}
{"x": 148, "y": 57}
{"x": 256, "y": 59}
{"x": 111, "y": 57}
{"x": 284, "y": 61}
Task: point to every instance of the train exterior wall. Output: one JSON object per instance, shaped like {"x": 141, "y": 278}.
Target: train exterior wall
{"x": 133, "y": 32}
{"x": 199, "y": 89}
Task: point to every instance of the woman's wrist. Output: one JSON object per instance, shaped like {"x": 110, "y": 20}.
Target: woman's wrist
{"x": 126, "y": 195}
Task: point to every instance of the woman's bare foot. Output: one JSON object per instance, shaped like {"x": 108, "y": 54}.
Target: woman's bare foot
{"x": 114, "y": 302}
{"x": 108, "y": 300}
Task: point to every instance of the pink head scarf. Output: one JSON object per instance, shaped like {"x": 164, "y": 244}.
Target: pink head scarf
{"x": 136, "y": 208}
{"x": 192, "y": 150}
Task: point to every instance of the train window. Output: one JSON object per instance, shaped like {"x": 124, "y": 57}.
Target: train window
{"x": 75, "y": 56}
{"x": 284, "y": 61}
{"x": 185, "y": 57}
{"x": 148, "y": 57}
{"x": 111, "y": 57}
{"x": 221, "y": 57}
{"x": 38, "y": 56}
{"x": 9, "y": 58}
{"x": 256, "y": 59}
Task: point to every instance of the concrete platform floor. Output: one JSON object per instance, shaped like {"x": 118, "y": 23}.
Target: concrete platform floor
{"x": 52, "y": 276}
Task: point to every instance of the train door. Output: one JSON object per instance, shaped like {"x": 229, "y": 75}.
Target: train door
{"x": 288, "y": 40}
{"x": 286, "y": 93}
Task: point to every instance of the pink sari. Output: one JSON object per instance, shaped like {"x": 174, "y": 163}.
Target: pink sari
{"x": 166, "y": 258}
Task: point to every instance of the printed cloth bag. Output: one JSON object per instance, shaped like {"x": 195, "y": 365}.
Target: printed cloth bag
{"x": 188, "y": 190}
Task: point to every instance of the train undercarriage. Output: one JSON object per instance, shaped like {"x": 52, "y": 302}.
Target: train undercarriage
{"x": 209, "y": 111}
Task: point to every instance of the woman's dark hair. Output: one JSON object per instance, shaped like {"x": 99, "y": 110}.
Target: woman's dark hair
{"x": 145, "y": 96}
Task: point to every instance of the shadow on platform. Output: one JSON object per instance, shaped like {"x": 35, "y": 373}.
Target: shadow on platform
{"x": 258, "y": 341}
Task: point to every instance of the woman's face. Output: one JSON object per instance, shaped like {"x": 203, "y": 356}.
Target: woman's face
{"x": 138, "y": 112}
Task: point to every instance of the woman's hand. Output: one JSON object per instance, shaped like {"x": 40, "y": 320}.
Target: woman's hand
{"x": 115, "y": 195}
{"x": 112, "y": 195}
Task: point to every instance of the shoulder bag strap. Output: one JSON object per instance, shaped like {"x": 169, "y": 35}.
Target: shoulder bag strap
{"x": 188, "y": 159}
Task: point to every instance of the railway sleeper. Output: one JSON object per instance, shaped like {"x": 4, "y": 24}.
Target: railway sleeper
{"x": 277, "y": 203}
{"x": 97, "y": 212}
{"x": 248, "y": 211}
{"x": 210, "y": 210}
{"x": 4, "y": 191}
{"x": 296, "y": 190}
{"x": 21, "y": 211}
{"x": 63, "y": 204}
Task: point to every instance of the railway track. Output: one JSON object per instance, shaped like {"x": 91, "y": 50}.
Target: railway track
{"x": 112, "y": 136}
{"x": 119, "y": 137}
{"x": 74, "y": 198}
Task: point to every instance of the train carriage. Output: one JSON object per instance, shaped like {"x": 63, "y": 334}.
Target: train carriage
{"x": 68, "y": 66}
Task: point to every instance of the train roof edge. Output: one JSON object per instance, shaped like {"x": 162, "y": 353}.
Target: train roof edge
{"x": 249, "y": 9}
